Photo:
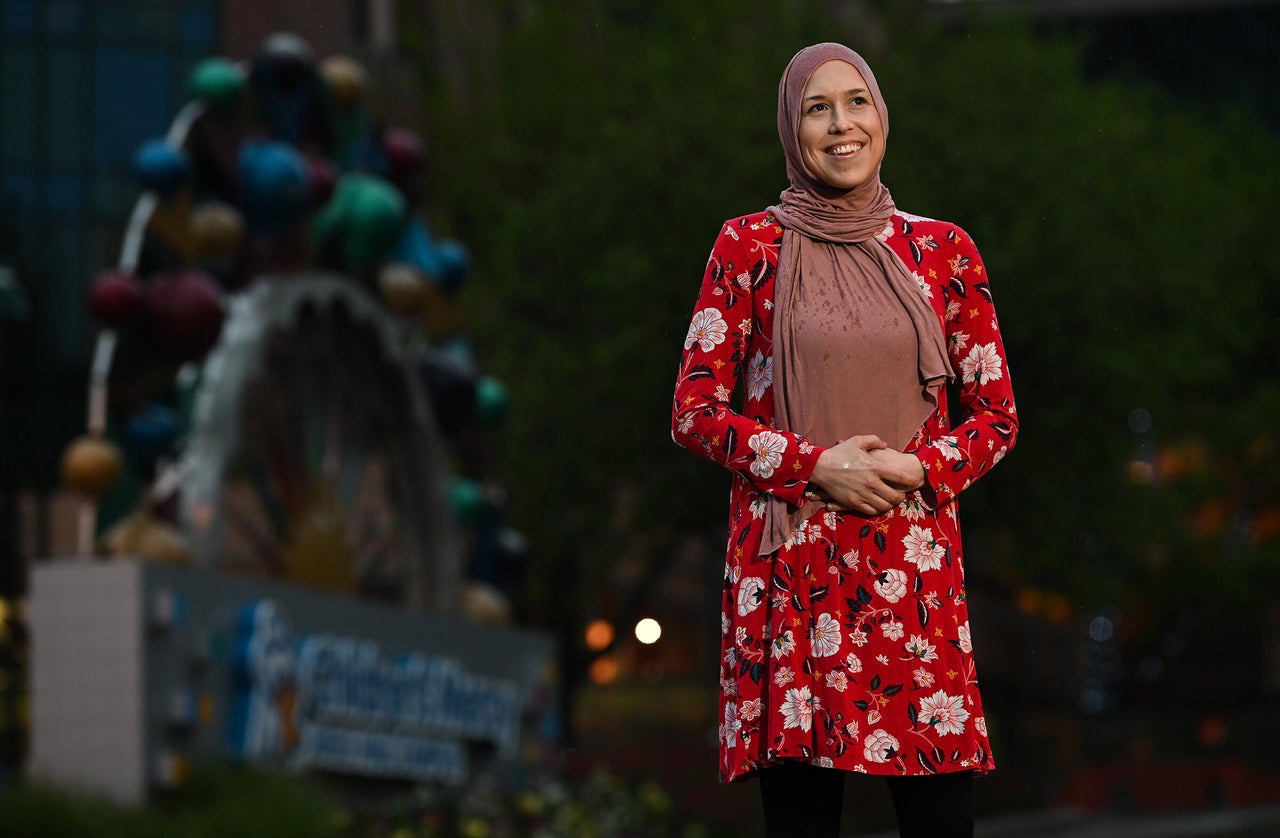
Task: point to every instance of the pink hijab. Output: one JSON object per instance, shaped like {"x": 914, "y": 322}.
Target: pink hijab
{"x": 858, "y": 348}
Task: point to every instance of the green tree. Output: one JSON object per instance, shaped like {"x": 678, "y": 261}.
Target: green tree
{"x": 1124, "y": 229}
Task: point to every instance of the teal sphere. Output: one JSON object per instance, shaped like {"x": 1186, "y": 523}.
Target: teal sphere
{"x": 217, "y": 82}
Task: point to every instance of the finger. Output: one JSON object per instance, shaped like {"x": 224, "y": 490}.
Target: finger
{"x": 869, "y": 442}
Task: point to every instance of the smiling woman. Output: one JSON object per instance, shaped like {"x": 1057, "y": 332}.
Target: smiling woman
{"x": 845, "y": 628}
{"x": 841, "y": 133}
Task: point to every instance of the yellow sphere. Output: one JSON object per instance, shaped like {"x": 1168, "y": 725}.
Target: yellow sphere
{"x": 347, "y": 79}
{"x": 485, "y": 603}
{"x": 92, "y": 465}
{"x": 404, "y": 288}
{"x": 143, "y": 536}
{"x": 217, "y": 229}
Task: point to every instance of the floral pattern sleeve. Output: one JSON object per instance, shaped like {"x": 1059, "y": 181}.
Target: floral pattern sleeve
{"x": 739, "y": 275}
{"x": 988, "y": 422}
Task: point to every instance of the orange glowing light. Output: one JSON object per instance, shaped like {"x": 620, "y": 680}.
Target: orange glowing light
{"x": 604, "y": 670}
{"x": 599, "y": 635}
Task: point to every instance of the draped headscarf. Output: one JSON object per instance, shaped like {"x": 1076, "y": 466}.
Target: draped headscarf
{"x": 845, "y": 361}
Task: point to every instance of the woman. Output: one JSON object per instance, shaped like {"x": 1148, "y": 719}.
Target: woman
{"x": 846, "y": 640}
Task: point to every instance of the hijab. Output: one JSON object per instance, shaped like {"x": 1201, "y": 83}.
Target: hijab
{"x": 846, "y": 363}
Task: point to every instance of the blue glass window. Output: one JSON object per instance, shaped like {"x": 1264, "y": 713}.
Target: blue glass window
{"x": 19, "y": 111}
{"x": 132, "y": 102}
{"x": 18, "y": 17}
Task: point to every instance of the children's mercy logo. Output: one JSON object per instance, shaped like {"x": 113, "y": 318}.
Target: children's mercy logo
{"x": 336, "y": 703}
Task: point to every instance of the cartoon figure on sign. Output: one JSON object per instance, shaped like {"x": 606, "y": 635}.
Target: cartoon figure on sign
{"x": 264, "y": 712}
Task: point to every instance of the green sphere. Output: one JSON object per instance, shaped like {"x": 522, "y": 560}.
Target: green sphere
{"x": 218, "y": 82}
{"x": 491, "y": 400}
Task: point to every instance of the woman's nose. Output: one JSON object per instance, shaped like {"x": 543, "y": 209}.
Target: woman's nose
{"x": 841, "y": 120}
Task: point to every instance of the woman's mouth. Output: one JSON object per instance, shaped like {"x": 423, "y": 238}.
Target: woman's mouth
{"x": 845, "y": 149}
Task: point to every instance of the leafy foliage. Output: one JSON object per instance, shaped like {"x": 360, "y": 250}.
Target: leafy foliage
{"x": 1124, "y": 229}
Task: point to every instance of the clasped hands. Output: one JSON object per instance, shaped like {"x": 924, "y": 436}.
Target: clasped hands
{"x": 863, "y": 474}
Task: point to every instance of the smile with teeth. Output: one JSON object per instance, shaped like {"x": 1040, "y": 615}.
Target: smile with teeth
{"x": 847, "y": 148}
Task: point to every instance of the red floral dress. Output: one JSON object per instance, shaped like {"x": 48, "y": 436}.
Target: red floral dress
{"x": 849, "y": 647}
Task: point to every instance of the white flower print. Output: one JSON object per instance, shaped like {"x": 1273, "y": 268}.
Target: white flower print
{"x": 919, "y": 648}
{"x": 758, "y": 504}
{"x": 729, "y": 730}
{"x": 707, "y": 329}
{"x": 879, "y": 746}
{"x": 830, "y": 519}
{"x": 724, "y": 623}
{"x": 980, "y": 725}
{"x": 858, "y": 638}
{"x": 722, "y": 393}
{"x": 823, "y": 762}
{"x": 883, "y": 660}
{"x": 750, "y": 710}
{"x": 785, "y": 675}
{"x": 945, "y": 712}
{"x": 728, "y": 686}
{"x": 759, "y": 375}
{"x": 768, "y": 447}
{"x": 912, "y": 508}
{"x": 948, "y": 446}
{"x": 925, "y": 288}
{"x": 824, "y": 636}
{"x": 892, "y": 584}
{"x": 838, "y": 681}
{"x": 797, "y": 709}
{"x": 922, "y": 550}
{"x": 922, "y": 677}
{"x": 953, "y": 310}
{"x": 966, "y": 643}
{"x": 784, "y": 644}
{"x": 958, "y": 339}
{"x": 851, "y": 730}
{"x": 852, "y": 663}
{"x": 982, "y": 364}
{"x": 873, "y": 717}
{"x": 892, "y": 630}
{"x": 686, "y": 422}
{"x": 805, "y": 447}
{"x": 850, "y": 559}
{"x": 750, "y": 593}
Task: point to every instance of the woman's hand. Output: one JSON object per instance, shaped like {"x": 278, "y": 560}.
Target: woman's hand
{"x": 863, "y": 474}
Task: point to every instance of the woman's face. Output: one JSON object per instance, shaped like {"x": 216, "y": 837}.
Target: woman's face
{"x": 841, "y": 136}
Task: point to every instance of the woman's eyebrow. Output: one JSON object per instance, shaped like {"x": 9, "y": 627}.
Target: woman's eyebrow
{"x": 850, "y": 92}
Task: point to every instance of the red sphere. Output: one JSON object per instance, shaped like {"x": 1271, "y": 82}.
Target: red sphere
{"x": 405, "y": 150}
{"x": 186, "y": 310}
{"x": 116, "y": 300}
{"x": 324, "y": 178}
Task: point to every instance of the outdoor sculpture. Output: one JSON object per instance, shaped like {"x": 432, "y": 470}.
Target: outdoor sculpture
{"x": 281, "y": 383}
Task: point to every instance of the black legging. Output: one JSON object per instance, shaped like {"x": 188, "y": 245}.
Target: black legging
{"x": 804, "y": 801}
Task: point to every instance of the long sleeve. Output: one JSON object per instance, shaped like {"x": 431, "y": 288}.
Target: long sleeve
{"x": 736, "y": 293}
{"x": 987, "y": 425}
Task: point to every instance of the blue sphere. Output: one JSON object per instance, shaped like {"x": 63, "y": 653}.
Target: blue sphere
{"x": 150, "y": 434}
{"x": 455, "y": 263}
{"x": 275, "y": 183}
{"x": 159, "y": 167}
